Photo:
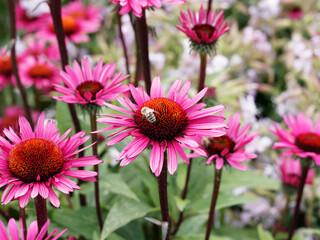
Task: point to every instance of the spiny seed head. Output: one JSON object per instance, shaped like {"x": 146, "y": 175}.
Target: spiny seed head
{"x": 170, "y": 119}
{"x": 35, "y": 160}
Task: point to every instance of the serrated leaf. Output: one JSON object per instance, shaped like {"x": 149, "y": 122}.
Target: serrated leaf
{"x": 115, "y": 184}
{"x": 263, "y": 234}
{"x": 121, "y": 213}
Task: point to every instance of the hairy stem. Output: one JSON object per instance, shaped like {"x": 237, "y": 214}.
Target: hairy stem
{"x": 215, "y": 193}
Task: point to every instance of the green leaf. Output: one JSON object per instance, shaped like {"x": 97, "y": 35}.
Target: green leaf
{"x": 82, "y": 222}
{"x": 198, "y": 236}
{"x": 121, "y": 213}
{"x": 115, "y": 184}
{"x": 236, "y": 178}
{"x": 298, "y": 237}
{"x": 181, "y": 203}
{"x": 263, "y": 234}
{"x": 224, "y": 200}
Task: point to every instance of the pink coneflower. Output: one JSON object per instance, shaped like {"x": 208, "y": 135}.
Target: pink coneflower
{"x": 230, "y": 148}
{"x": 40, "y": 73}
{"x": 28, "y": 22}
{"x": 6, "y": 75}
{"x": 204, "y": 30}
{"x": 164, "y": 123}
{"x": 136, "y": 6}
{"x": 34, "y": 160}
{"x": 301, "y": 140}
{"x": 32, "y": 234}
{"x": 89, "y": 15}
{"x": 84, "y": 86}
{"x": 291, "y": 172}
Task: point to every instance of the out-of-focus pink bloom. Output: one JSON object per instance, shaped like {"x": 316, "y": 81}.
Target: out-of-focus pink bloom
{"x": 295, "y": 13}
{"x": 230, "y": 148}
{"x": 136, "y": 6}
{"x": 164, "y": 123}
{"x": 32, "y": 233}
{"x": 291, "y": 172}
{"x": 84, "y": 86}
{"x": 40, "y": 73}
{"x": 77, "y": 20}
{"x": 6, "y": 75}
{"x": 11, "y": 118}
{"x": 302, "y": 140}
{"x": 34, "y": 161}
{"x": 38, "y": 47}
{"x": 203, "y": 28}
{"x": 29, "y": 23}
{"x": 90, "y": 15}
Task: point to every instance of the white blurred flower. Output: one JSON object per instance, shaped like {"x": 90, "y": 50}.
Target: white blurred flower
{"x": 158, "y": 60}
{"x": 257, "y": 38}
{"x": 217, "y": 64}
{"x": 265, "y": 9}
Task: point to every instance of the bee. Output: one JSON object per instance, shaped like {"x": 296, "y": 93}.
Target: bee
{"x": 148, "y": 114}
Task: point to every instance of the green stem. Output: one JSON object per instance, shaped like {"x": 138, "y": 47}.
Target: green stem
{"x": 215, "y": 193}
{"x": 282, "y": 218}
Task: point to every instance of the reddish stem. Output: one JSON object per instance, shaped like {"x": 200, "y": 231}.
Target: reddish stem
{"x": 13, "y": 34}
{"x": 305, "y": 164}
{"x": 41, "y": 210}
{"x": 55, "y": 9}
{"x": 94, "y": 138}
{"x": 163, "y": 194}
{"x": 215, "y": 193}
{"x": 123, "y": 43}
{"x": 142, "y": 30}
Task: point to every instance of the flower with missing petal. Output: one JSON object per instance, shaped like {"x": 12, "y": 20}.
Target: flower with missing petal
{"x": 32, "y": 234}
{"x": 203, "y": 30}
{"x": 230, "y": 148}
{"x": 87, "y": 87}
{"x": 163, "y": 123}
{"x": 302, "y": 139}
{"x": 34, "y": 161}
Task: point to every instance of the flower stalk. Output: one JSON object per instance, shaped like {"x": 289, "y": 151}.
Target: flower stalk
{"x": 163, "y": 194}
{"x": 202, "y": 75}
{"x": 13, "y": 33}
{"x": 94, "y": 137}
{"x": 125, "y": 52}
{"x": 22, "y": 213}
{"x": 215, "y": 192}
{"x": 305, "y": 165}
{"x": 142, "y": 30}
{"x": 41, "y": 210}
{"x": 283, "y": 217}
{"x": 55, "y": 10}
